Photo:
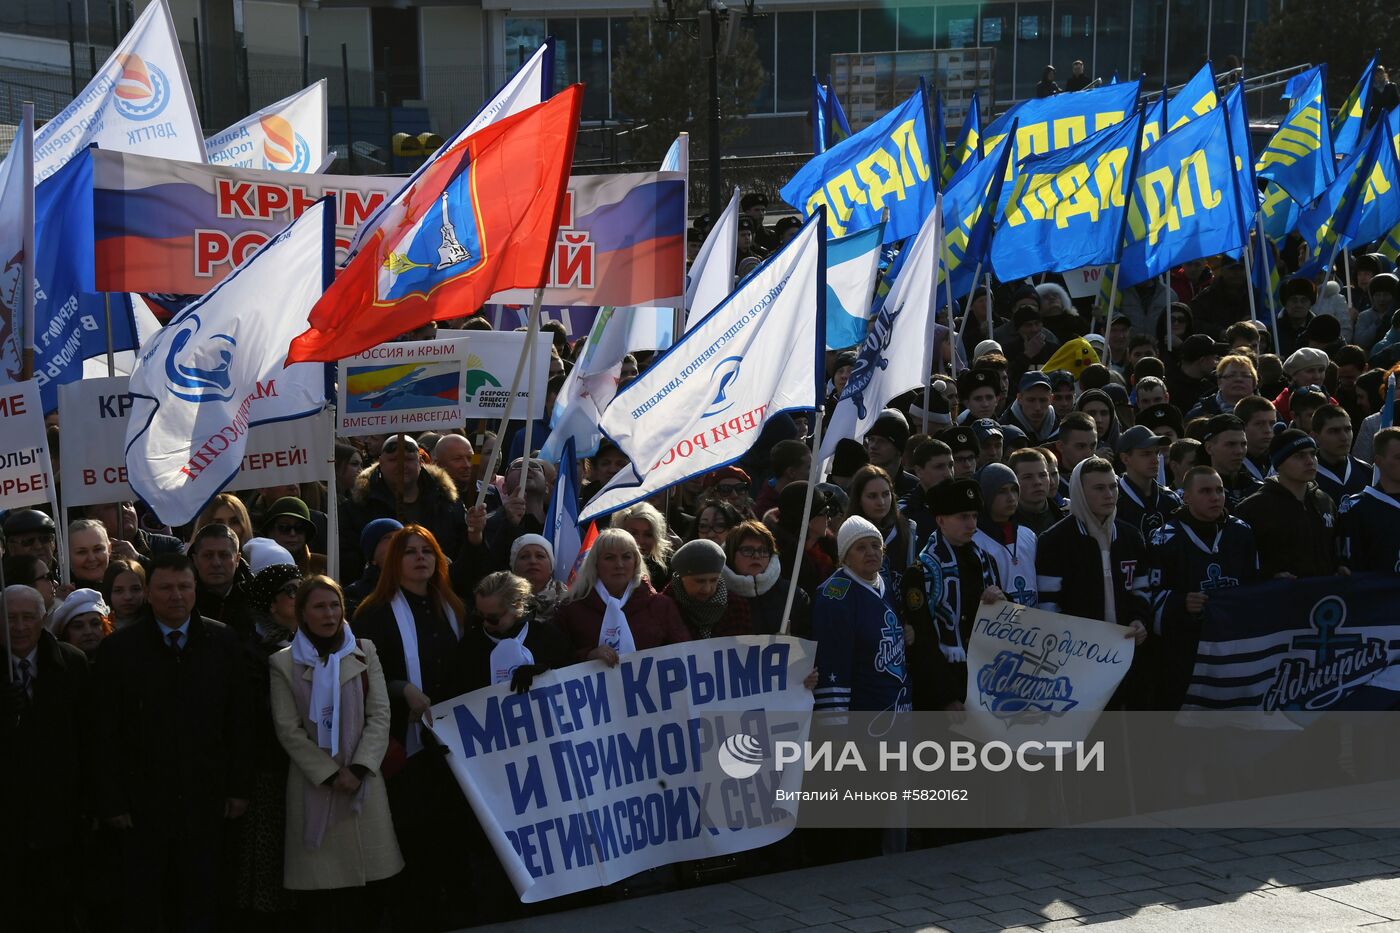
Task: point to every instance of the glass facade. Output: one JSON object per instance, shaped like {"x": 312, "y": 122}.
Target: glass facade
{"x": 1129, "y": 37}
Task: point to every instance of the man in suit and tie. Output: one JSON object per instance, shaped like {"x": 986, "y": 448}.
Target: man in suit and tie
{"x": 43, "y": 706}
{"x": 173, "y": 716}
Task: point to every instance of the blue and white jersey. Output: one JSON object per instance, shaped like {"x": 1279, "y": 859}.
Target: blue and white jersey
{"x": 860, "y": 647}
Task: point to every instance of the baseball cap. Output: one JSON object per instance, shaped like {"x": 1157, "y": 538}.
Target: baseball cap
{"x": 1198, "y": 346}
{"x": 1032, "y": 379}
{"x": 1220, "y": 424}
{"x": 1139, "y": 437}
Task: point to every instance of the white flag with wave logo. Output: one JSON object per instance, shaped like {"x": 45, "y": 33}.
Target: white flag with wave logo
{"x": 288, "y": 136}
{"x": 218, "y": 368}
{"x": 139, "y": 101}
{"x": 896, "y": 355}
{"x": 704, "y": 402}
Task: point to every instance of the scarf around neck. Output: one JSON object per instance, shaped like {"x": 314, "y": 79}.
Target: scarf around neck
{"x": 749, "y": 587}
{"x": 615, "y": 632}
{"x": 701, "y": 617}
{"x": 408, "y": 634}
{"x": 325, "y": 684}
{"x": 508, "y": 653}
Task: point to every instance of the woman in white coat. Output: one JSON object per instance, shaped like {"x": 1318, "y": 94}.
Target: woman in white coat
{"x": 340, "y": 836}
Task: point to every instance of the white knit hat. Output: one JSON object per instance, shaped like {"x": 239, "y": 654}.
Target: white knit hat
{"x": 852, "y": 530}
{"x": 77, "y": 603}
{"x": 537, "y": 540}
{"x": 984, "y": 347}
{"x": 261, "y": 553}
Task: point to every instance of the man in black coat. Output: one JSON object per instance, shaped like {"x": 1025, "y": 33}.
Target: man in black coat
{"x": 43, "y": 702}
{"x": 222, "y": 578}
{"x": 172, "y": 719}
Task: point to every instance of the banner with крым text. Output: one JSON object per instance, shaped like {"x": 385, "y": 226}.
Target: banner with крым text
{"x": 180, "y": 227}
{"x": 410, "y": 386}
{"x": 92, "y": 426}
{"x": 598, "y": 773}
{"x": 1034, "y": 675}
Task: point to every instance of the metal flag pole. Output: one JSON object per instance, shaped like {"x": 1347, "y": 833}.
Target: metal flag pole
{"x": 812, "y": 473}
{"x": 989, "y": 307}
{"x": 332, "y": 508}
{"x": 1249, "y": 278}
{"x": 1346, "y": 271}
{"x": 534, "y": 328}
{"x": 1113, "y": 299}
{"x": 1169, "y": 313}
{"x": 27, "y": 263}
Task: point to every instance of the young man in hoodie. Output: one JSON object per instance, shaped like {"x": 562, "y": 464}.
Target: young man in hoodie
{"x": 1198, "y": 551}
{"x": 1091, "y": 564}
{"x": 1009, "y": 544}
{"x": 1384, "y": 292}
{"x": 1032, "y": 411}
{"x": 1142, "y": 502}
{"x": 940, "y": 594}
{"x": 1294, "y": 521}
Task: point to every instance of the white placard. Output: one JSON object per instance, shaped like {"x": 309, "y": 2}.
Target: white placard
{"x": 26, "y": 476}
{"x": 411, "y": 386}
{"x": 491, "y": 359}
{"x": 1084, "y": 283}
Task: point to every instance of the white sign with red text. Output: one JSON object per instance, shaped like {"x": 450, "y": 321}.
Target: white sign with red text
{"x": 1084, "y": 283}
{"x": 26, "y": 476}
{"x": 93, "y": 416}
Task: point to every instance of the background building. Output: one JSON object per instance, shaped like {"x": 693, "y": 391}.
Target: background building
{"x": 428, "y": 64}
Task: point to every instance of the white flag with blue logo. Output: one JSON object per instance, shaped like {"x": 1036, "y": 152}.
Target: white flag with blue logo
{"x": 139, "y": 101}
{"x": 897, "y": 353}
{"x": 218, "y": 368}
{"x": 703, "y": 403}
{"x": 712, "y": 273}
{"x": 288, "y": 136}
{"x": 852, "y": 264}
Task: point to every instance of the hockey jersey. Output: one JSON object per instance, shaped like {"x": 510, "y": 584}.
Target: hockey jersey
{"x": 1145, "y": 511}
{"x": 1015, "y": 561}
{"x": 1351, "y": 479}
{"x": 1184, "y": 562}
{"x": 1239, "y": 488}
{"x": 1368, "y": 531}
{"x": 941, "y": 592}
{"x": 860, "y": 647}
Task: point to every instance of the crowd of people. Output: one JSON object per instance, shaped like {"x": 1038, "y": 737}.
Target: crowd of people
{"x": 203, "y": 730}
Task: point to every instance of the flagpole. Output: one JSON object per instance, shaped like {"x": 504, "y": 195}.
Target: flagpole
{"x": 1112, "y": 300}
{"x": 111, "y": 353}
{"x": 989, "y": 307}
{"x": 812, "y": 473}
{"x": 682, "y": 312}
{"x": 531, "y": 332}
{"x": 490, "y": 470}
{"x": 1249, "y": 277}
{"x": 1346, "y": 271}
{"x": 1268, "y": 278}
{"x": 27, "y": 263}
{"x": 952, "y": 331}
{"x": 1167, "y": 286}
{"x": 333, "y": 510}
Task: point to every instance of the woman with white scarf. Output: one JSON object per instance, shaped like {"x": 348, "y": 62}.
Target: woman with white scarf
{"x": 509, "y": 644}
{"x": 612, "y": 608}
{"x": 330, "y": 708}
{"x": 416, "y": 622}
{"x": 532, "y": 557}
{"x": 753, "y": 572}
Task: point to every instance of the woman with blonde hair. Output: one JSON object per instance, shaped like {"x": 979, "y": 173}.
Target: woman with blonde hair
{"x": 509, "y": 644}
{"x": 330, "y": 707}
{"x": 612, "y": 607}
{"x": 226, "y": 509}
{"x": 648, "y": 528}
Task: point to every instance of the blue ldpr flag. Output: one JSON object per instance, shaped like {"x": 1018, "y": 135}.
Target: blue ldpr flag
{"x": 852, "y": 263}
{"x": 1184, "y": 204}
{"x": 968, "y": 148}
{"x": 1048, "y": 124}
{"x": 1067, "y": 209}
{"x": 1324, "y": 225}
{"x": 829, "y": 125}
{"x": 968, "y": 215}
{"x": 1351, "y": 116}
{"x": 70, "y": 317}
{"x": 1196, "y": 98}
{"x": 1299, "y": 158}
{"x": 885, "y": 165}
{"x": 1377, "y": 209}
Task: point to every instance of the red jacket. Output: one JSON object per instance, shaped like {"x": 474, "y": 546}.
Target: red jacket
{"x": 652, "y": 617}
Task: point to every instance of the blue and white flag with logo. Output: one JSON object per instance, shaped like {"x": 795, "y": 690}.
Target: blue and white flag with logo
{"x": 852, "y": 263}
{"x": 139, "y": 101}
{"x": 897, "y": 353}
{"x": 561, "y": 518}
{"x": 218, "y": 368}
{"x": 703, "y": 403}
{"x": 288, "y": 136}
